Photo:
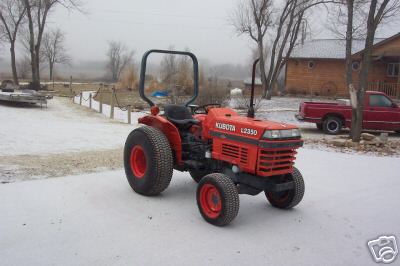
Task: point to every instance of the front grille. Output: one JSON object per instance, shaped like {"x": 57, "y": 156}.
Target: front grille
{"x": 275, "y": 162}
{"x": 236, "y": 152}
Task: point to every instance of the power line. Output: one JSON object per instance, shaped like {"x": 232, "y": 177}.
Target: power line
{"x": 169, "y": 25}
{"x": 158, "y": 14}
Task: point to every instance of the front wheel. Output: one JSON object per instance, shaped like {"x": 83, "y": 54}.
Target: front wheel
{"x": 289, "y": 198}
{"x": 332, "y": 125}
{"x": 217, "y": 199}
{"x": 148, "y": 161}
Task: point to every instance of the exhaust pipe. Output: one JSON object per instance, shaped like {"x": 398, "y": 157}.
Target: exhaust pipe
{"x": 250, "y": 112}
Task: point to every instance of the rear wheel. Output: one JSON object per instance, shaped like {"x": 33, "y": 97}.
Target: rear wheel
{"x": 217, "y": 199}
{"x": 148, "y": 161}
{"x": 289, "y": 198}
{"x": 332, "y": 125}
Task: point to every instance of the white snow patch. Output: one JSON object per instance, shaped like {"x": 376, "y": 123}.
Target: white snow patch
{"x": 60, "y": 128}
{"x": 98, "y": 220}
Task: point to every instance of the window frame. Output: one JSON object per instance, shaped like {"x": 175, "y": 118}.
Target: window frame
{"x": 391, "y": 70}
{"x": 357, "y": 64}
{"x": 379, "y": 95}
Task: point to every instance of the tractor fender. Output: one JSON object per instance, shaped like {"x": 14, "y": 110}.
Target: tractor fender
{"x": 169, "y": 130}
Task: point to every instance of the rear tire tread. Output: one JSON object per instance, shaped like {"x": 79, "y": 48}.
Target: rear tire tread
{"x": 163, "y": 162}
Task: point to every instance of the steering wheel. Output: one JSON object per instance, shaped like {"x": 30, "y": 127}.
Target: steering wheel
{"x": 205, "y": 108}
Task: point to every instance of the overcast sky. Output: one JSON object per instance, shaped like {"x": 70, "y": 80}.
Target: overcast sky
{"x": 202, "y": 26}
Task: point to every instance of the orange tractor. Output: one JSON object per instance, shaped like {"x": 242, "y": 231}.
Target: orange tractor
{"x": 225, "y": 153}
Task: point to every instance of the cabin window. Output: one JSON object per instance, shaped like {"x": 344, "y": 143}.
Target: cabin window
{"x": 393, "y": 69}
{"x": 355, "y": 65}
{"x": 311, "y": 64}
{"x": 379, "y": 101}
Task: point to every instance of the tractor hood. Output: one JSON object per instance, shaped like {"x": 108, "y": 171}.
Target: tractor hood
{"x": 225, "y": 120}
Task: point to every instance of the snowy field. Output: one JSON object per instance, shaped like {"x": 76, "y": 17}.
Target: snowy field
{"x": 62, "y": 127}
{"x": 97, "y": 220}
{"x": 63, "y": 139}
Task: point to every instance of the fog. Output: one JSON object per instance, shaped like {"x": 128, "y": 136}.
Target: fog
{"x": 201, "y": 26}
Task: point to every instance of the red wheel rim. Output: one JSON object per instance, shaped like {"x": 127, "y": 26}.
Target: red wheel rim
{"x": 138, "y": 161}
{"x": 210, "y": 201}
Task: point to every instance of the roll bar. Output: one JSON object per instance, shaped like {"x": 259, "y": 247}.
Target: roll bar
{"x": 143, "y": 73}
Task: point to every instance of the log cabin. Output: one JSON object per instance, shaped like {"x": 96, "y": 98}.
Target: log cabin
{"x": 318, "y": 67}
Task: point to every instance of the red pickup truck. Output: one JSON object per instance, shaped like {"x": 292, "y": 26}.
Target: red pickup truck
{"x": 380, "y": 113}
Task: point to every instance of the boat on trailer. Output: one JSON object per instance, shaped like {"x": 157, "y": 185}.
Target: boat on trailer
{"x": 24, "y": 96}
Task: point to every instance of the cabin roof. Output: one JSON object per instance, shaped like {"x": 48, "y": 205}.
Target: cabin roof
{"x": 332, "y": 48}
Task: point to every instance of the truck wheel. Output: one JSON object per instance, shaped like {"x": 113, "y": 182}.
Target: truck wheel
{"x": 289, "y": 198}
{"x": 319, "y": 126}
{"x": 148, "y": 161}
{"x": 332, "y": 125}
{"x": 197, "y": 175}
{"x": 217, "y": 199}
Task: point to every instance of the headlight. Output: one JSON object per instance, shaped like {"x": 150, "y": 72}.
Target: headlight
{"x": 282, "y": 134}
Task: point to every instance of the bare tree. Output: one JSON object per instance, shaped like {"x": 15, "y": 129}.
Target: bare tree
{"x": 185, "y": 73}
{"x": 129, "y": 77}
{"x": 24, "y": 67}
{"x": 377, "y": 11}
{"x": 118, "y": 57}
{"x": 254, "y": 18}
{"x": 12, "y": 14}
{"x": 37, "y": 12}
{"x": 169, "y": 69}
{"x": 276, "y": 25}
{"x": 53, "y": 50}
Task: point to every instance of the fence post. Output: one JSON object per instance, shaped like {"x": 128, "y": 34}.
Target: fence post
{"x": 70, "y": 84}
{"x": 112, "y": 104}
{"x": 129, "y": 114}
{"x": 90, "y": 101}
{"x": 80, "y": 98}
{"x": 100, "y": 102}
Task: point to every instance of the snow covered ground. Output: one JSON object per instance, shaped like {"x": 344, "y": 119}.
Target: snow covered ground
{"x": 97, "y": 220}
{"x": 62, "y": 127}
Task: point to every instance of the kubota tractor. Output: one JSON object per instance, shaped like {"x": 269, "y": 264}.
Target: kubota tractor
{"x": 227, "y": 154}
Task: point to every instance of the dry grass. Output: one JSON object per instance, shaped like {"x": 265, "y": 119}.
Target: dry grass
{"x": 76, "y": 88}
{"x": 123, "y": 98}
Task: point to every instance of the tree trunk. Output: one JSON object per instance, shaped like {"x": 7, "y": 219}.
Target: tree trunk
{"x": 349, "y": 69}
{"x": 356, "y": 124}
{"x": 262, "y": 69}
{"x": 36, "y": 69}
{"x": 13, "y": 64}
{"x": 51, "y": 65}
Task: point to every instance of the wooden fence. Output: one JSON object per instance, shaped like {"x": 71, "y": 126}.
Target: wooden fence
{"x": 108, "y": 104}
{"x": 391, "y": 89}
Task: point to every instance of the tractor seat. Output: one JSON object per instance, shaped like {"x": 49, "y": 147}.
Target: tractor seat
{"x": 179, "y": 115}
